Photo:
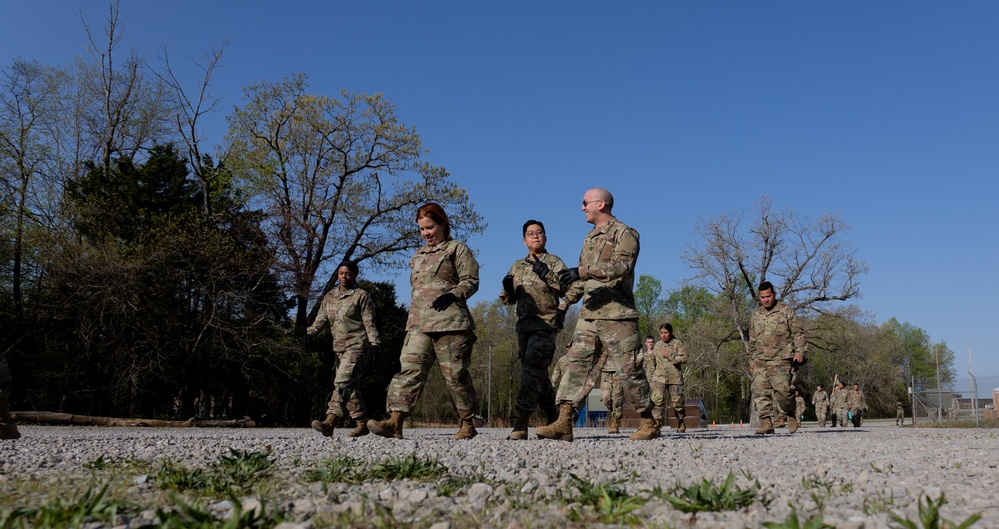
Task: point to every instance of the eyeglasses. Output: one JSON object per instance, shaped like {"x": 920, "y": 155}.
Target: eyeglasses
{"x": 534, "y": 234}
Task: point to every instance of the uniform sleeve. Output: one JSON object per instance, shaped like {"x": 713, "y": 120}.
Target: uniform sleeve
{"x": 797, "y": 333}
{"x": 754, "y": 335}
{"x": 554, "y": 269}
{"x": 504, "y": 299}
{"x": 468, "y": 273}
{"x": 573, "y": 295}
{"x": 321, "y": 319}
{"x": 368, "y": 316}
{"x": 680, "y": 354}
{"x": 621, "y": 263}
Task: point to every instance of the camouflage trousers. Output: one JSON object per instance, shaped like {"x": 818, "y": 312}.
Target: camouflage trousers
{"x": 452, "y": 351}
{"x": 841, "y": 416}
{"x": 820, "y": 414}
{"x": 536, "y": 350}
{"x": 662, "y": 391}
{"x": 346, "y": 399}
{"x": 621, "y": 342}
{"x": 612, "y": 394}
{"x": 899, "y": 417}
{"x": 5, "y": 378}
{"x": 772, "y": 387}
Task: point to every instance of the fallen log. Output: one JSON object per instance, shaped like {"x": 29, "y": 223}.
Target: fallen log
{"x": 69, "y": 419}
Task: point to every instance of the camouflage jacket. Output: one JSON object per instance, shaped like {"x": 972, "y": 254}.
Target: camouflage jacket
{"x": 537, "y": 298}
{"x": 855, "y": 400}
{"x": 350, "y": 314}
{"x": 775, "y": 334}
{"x": 435, "y": 270}
{"x": 838, "y": 399}
{"x": 820, "y": 400}
{"x": 667, "y": 361}
{"x": 607, "y": 273}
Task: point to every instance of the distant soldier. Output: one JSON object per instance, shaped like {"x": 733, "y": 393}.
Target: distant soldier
{"x": 820, "y": 401}
{"x": 612, "y": 397}
{"x": 899, "y": 413}
{"x": 350, "y": 314}
{"x": 532, "y": 284}
{"x": 857, "y": 405}
{"x": 776, "y": 347}
{"x": 799, "y": 405}
{"x": 669, "y": 356}
{"x": 955, "y": 408}
{"x": 838, "y": 405}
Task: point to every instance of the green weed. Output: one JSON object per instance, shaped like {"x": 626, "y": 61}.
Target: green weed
{"x": 929, "y": 517}
{"x": 196, "y": 516}
{"x": 410, "y": 467}
{"x": 820, "y": 490}
{"x": 882, "y": 502}
{"x": 230, "y": 475}
{"x": 792, "y": 522}
{"x": 610, "y": 503}
{"x": 707, "y": 496}
{"x": 92, "y": 505}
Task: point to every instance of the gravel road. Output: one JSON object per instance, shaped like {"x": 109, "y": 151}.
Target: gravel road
{"x": 854, "y": 477}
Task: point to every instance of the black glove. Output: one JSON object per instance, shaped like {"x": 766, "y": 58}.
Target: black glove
{"x": 306, "y": 340}
{"x": 559, "y": 318}
{"x": 568, "y": 276}
{"x": 539, "y": 267}
{"x": 373, "y": 351}
{"x": 443, "y": 301}
{"x": 511, "y": 292}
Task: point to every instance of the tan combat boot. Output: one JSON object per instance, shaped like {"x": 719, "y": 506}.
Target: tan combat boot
{"x": 327, "y": 425}
{"x": 467, "y": 429}
{"x": 647, "y": 429}
{"x": 519, "y": 432}
{"x": 360, "y": 428}
{"x": 561, "y": 429}
{"x": 8, "y": 429}
{"x": 766, "y": 427}
{"x": 391, "y": 427}
{"x": 779, "y": 423}
{"x": 792, "y": 424}
{"x": 681, "y": 424}
{"x": 613, "y": 424}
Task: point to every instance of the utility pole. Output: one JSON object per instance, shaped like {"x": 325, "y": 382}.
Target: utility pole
{"x": 974, "y": 389}
{"x": 489, "y": 386}
{"x": 939, "y": 394}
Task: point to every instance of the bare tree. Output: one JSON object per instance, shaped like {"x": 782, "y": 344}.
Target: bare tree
{"x": 340, "y": 178}
{"x": 808, "y": 260}
{"x": 188, "y": 118}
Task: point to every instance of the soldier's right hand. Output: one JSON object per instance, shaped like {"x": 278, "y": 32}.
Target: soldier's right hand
{"x": 508, "y": 288}
{"x": 538, "y": 266}
{"x": 559, "y": 318}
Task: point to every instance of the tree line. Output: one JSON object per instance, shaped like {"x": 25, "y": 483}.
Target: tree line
{"x": 145, "y": 274}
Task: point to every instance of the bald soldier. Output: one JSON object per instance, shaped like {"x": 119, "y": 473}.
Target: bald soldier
{"x": 608, "y": 320}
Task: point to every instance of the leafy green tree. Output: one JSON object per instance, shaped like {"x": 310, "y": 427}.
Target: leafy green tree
{"x": 648, "y": 302}
{"x": 340, "y": 177}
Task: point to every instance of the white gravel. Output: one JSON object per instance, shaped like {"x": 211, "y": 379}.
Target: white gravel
{"x": 512, "y": 484}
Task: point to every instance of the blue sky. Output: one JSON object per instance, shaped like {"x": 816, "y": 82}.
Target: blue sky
{"x": 886, "y": 112}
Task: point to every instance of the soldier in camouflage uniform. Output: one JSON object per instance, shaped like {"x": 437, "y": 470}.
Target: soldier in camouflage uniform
{"x": 8, "y": 429}
{"x": 532, "y": 284}
{"x": 820, "y": 401}
{"x": 838, "y": 404}
{"x": 799, "y": 405}
{"x": 350, "y": 314}
{"x": 899, "y": 413}
{"x": 668, "y": 358}
{"x": 608, "y": 320}
{"x": 776, "y": 346}
{"x": 612, "y": 397}
{"x": 443, "y": 275}
{"x": 857, "y": 405}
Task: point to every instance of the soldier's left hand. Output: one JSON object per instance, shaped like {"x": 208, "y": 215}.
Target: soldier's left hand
{"x": 559, "y": 318}
{"x": 539, "y": 267}
{"x": 443, "y": 301}
{"x": 568, "y": 276}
